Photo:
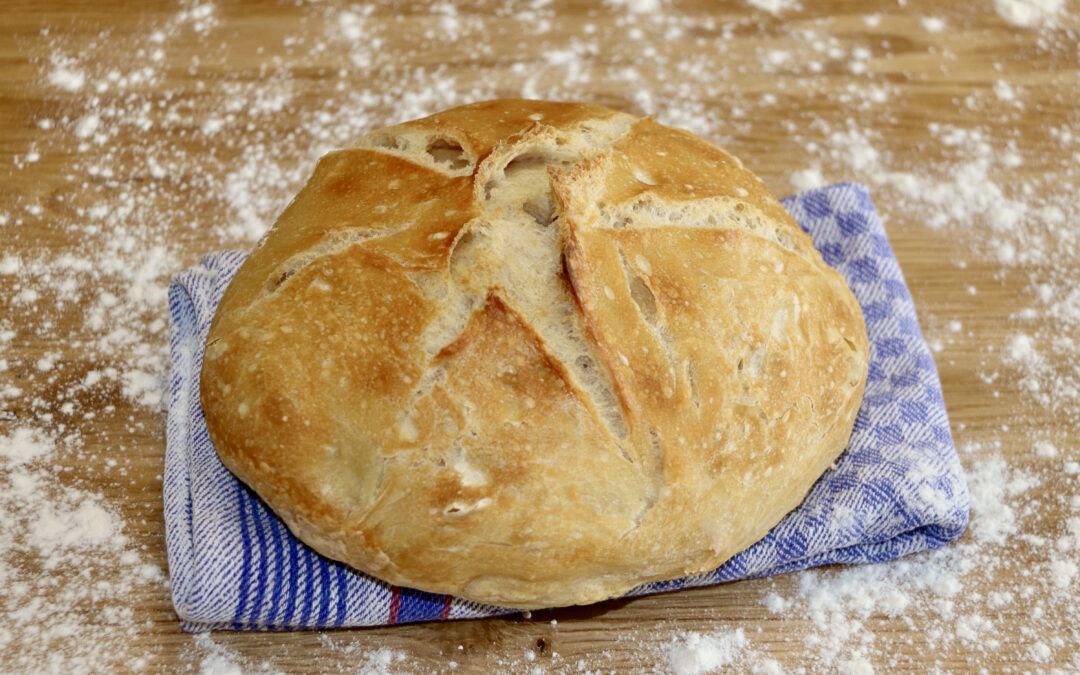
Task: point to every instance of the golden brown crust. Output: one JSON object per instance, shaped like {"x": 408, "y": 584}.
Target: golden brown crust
{"x": 533, "y": 354}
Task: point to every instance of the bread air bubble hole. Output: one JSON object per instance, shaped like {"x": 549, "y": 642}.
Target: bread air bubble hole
{"x": 786, "y": 240}
{"x": 691, "y": 379}
{"x": 463, "y": 255}
{"x": 447, "y": 152}
{"x": 533, "y": 160}
{"x": 643, "y": 297}
{"x": 610, "y": 412}
{"x": 656, "y": 446}
{"x": 281, "y": 278}
{"x": 275, "y": 282}
{"x": 541, "y": 208}
{"x": 390, "y": 142}
{"x": 586, "y": 365}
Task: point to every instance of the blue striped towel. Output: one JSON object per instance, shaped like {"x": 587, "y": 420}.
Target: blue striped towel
{"x": 897, "y": 489}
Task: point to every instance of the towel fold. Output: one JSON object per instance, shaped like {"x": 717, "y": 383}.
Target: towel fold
{"x": 896, "y": 490}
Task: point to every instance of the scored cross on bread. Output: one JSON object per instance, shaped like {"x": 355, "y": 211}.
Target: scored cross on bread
{"x": 533, "y": 354}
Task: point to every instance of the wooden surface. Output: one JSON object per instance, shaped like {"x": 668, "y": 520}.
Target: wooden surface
{"x": 783, "y": 92}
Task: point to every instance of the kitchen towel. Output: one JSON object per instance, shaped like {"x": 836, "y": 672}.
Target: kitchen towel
{"x": 896, "y": 490}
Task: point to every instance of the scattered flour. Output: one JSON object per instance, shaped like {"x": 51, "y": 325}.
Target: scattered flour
{"x": 380, "y": 661}
{"x": 807, "y": 179}
{"x": 217, "y": 659}
{"x": 695, "y": 654}
{"x": 22, "y": 446}
{"x": 58, "y": 544}
{"x": 10, "y": 264}
{"x": 1028, "y": 13}
{"x": 932, "y": 24}
{"x": 636, "y": 6}
{"x": 775, "y": 6}
{"x": 66, "y": 75}
{"x": 933, "y": 590}
{"x": 144, "y": 205}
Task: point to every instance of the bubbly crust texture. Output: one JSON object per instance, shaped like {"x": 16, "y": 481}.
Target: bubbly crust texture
{"x": 533, "y": 354}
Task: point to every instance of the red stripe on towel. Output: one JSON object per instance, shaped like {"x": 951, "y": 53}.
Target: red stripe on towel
{"x": 395, "y": 605}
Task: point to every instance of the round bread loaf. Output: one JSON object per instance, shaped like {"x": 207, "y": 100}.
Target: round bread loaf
{"x": 533, "y": 354}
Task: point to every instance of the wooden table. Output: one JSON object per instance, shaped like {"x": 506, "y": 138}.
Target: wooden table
{"x": 135, "y": 138}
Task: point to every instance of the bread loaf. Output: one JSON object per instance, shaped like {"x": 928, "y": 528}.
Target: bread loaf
{"x": 533, "y": 354}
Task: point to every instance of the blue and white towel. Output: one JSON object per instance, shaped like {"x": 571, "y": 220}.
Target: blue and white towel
{"x": 897, "y": 489}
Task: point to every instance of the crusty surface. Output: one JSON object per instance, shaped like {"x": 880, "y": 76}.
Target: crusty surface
{"x": 533, "y": 354}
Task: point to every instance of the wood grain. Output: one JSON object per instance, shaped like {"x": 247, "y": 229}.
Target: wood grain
{"x": 928, "y": 77}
